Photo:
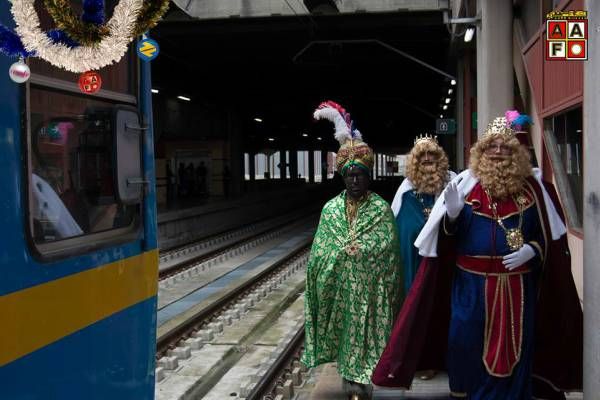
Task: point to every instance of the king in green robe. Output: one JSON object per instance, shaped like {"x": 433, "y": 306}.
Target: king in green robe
{"x": 353, "y": 287}
{"x": 353, "y": 278}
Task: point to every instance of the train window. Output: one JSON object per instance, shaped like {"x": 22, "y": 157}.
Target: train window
{"x": 71, "y": 159}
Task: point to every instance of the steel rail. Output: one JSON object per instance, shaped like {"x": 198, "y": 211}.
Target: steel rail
{"x": 212, "y": 310}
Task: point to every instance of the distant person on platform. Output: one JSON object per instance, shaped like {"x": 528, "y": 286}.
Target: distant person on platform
{"x": 201, "y": 173}
{"x": 427, "y": 175}
{"x": 354, "y": 283}
{"x": 170, "y": 183}
{"x": 506, "y": 320}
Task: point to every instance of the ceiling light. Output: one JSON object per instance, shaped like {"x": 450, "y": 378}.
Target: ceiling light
{"x": 450, "y": 91}
{"x": 469, "y": 34}
{"x": 184, "y": 98}
{"x": 271, "y": 139}
{"x": 441, "y": 116}
{"x": 155, "y": 91}
{"x": 447, "y": 100}
{"x": 258, "y": 119}
{"x": 318, "y": 138}
{"x": 445, "y": 107}
{"x": 305, "y": 134}
{"x": 453, "y": 82}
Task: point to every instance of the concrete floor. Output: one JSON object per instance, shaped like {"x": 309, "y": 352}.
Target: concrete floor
{"x": 324, "y": 383}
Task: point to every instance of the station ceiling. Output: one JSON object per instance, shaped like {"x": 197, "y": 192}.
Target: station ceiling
{"x": 279, "y": 68}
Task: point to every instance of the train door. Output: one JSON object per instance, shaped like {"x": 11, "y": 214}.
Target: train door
{"x": 79, "y": 257}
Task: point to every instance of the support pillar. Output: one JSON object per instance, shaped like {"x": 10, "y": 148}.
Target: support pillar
{"x": 461, "y": 114}
{"x": 283, "y": 164}
{"x": 323, "y": 165}
{"x": 232, "y": 184}
{"x": 311, "y": 166}
{"x": 252, "y": 165}
{"x": 494, "y": 60}
{"x": 294, "y": 164}
{"x": 591, "y": 209}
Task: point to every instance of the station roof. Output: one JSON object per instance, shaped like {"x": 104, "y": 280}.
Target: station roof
{"x": 210, "y": 9}
{"x": 279, "y": 68}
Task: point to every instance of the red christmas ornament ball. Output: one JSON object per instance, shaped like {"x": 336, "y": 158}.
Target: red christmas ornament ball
{"x": 90, "y": 82}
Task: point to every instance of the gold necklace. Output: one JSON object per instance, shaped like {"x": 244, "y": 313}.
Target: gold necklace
{"x": 514, "y": 236}
{"x": 352, "y": 206}
{"x": 426, "y": 210}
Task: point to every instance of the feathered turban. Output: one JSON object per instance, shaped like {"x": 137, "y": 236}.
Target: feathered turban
{"x": 353, "y": 151}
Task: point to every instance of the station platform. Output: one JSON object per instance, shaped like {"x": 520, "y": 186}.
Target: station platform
{"x": 324, "y": 383}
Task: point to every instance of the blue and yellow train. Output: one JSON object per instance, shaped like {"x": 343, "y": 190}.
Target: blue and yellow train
{"x": 78, "y": 244}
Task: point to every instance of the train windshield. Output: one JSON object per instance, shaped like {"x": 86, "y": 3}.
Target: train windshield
{"x": 71, "y": 168}
{"x": 72, "y": 188}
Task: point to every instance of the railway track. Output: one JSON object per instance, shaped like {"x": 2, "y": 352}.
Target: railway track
{"x": 256, "y": 318}
{"x": 174, "y": 261}
{"x": 284, "y": 374}
{"x": 250, "y": 280}
{"x": 234, "y": 298}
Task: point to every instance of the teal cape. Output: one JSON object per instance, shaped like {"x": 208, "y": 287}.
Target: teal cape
{"x": 410, "y": 221}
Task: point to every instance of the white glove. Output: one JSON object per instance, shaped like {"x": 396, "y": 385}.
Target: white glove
{"x": 454, "y": 200}
{"x": 518, "y": 258}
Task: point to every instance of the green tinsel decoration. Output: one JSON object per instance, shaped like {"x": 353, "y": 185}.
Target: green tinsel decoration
{"x": 151, "y": 13}
{"x": 88, "y": 34}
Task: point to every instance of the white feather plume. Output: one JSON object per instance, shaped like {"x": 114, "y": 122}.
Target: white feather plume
{"x": 357, "y": 135}
{"x": 342, "y": 132}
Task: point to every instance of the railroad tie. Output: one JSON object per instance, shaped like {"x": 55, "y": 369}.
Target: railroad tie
{"x": 181, "y": 352}
{"x": 168, "y": 362}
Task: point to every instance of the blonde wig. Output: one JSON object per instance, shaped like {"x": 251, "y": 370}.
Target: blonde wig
{"x": 427, "y": 179}
{"x": 501, "y": 178}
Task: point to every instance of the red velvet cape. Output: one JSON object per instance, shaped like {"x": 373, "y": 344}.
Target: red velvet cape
{"x": 420, "y": 334}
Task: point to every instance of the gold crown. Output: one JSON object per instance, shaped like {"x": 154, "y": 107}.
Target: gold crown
{"x": 425, "y": 137}
{"x": 499, "y": 126}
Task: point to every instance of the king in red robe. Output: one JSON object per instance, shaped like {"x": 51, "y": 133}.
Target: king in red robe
{"x": 494, "y": 302}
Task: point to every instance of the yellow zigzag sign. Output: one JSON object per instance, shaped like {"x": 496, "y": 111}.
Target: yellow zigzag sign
{"x": 148, "y": 49}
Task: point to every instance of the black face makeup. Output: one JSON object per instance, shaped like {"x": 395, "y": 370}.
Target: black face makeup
{"x": 357, "y": 182}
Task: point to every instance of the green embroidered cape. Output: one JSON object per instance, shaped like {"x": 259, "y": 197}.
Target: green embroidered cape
{"x": 351, "y": 300}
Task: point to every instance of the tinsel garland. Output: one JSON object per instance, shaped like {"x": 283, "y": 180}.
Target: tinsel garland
{"x": 11, "y": 45}
{"x": 82, "y": 58}
{"x": 151, "y": 13}
{"x": 59, "y": 36}
{"x": 88, "y": 33}
{"x": 93, "y": 11}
